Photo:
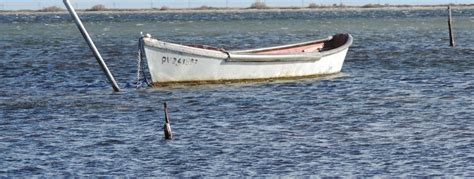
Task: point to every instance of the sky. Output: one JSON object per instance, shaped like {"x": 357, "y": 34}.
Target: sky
{"x": 82, "y": 4}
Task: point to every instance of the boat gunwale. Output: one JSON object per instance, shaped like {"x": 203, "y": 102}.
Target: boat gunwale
{"x": 249, "y": 55}
{"x": 178, "y": 48}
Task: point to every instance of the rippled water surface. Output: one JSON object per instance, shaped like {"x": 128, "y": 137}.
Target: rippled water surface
{"x": 403, "y": 105}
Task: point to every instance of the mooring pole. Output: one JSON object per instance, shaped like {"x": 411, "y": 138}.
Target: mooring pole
{"x": 92, "y": 46}
{"x": 450, "y": 25}
{"x": 167, "y": 126}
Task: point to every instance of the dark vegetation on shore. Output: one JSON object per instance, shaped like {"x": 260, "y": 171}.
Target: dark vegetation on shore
{"x": 98, "y": 7}
{"x": 51, "y": 9}
{"x": 257, "y": 5}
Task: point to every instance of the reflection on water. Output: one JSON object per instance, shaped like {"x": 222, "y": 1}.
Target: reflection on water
{"x": 402, "y": 106}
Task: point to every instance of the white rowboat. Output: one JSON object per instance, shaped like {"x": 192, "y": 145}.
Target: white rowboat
{"x": 175, "y": 63}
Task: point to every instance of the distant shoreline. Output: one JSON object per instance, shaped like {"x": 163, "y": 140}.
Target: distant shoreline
{"x": 243, "y": 10}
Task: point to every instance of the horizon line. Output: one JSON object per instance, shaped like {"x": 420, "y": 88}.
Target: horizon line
{"x": 205, "y": 7}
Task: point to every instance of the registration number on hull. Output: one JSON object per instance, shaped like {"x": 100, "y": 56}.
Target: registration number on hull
{"x": 179, "y": 61}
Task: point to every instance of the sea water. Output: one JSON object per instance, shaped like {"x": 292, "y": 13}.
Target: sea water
{"x": 402, "y": 105}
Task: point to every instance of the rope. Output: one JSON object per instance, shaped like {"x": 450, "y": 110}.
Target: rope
{"x": 139, "y": 61}
{"x": 141, "y": 68}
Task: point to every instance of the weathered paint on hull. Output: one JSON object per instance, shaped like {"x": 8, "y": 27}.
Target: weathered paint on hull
{"x": 197, "y": 65}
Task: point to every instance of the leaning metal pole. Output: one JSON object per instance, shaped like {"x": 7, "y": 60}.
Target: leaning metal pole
{"x": 450, "y": 26}
{"x": 92, "y": 46}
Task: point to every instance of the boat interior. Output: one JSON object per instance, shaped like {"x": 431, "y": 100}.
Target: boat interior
{"x": 306, "y": 47}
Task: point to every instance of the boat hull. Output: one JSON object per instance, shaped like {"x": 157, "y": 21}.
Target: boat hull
{"x": 173, "y": 63}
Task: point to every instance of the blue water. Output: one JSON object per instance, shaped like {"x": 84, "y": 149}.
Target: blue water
{"x": 402, "y": 106}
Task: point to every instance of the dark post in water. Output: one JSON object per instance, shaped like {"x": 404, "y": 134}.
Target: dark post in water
{"x": 450, "y": 25}
{"x": 92, "y": 46}
{"x": 167, "y": 126}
